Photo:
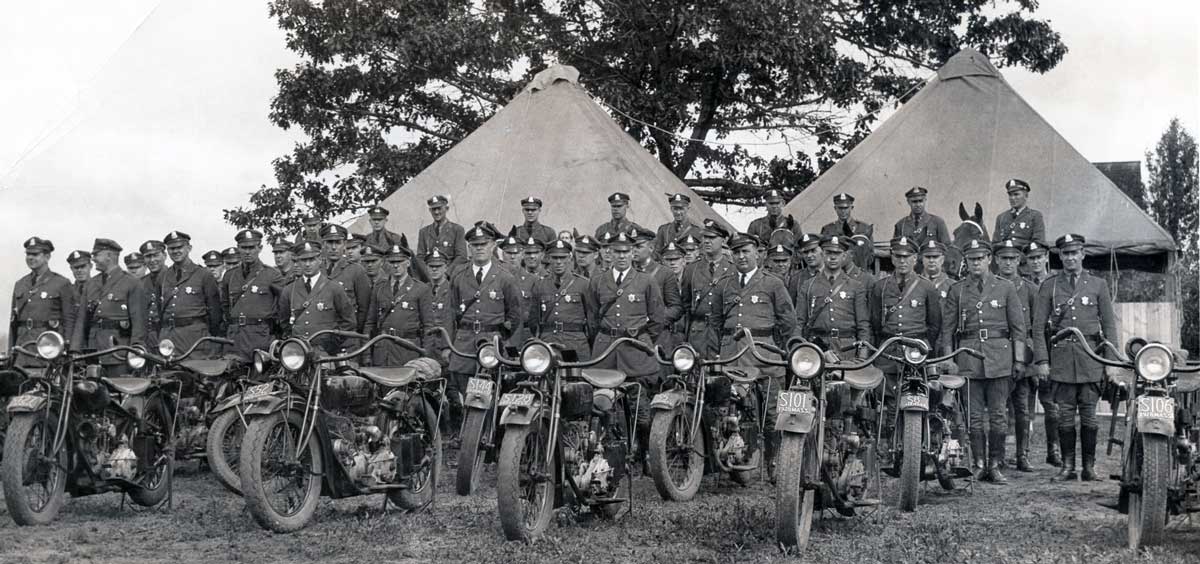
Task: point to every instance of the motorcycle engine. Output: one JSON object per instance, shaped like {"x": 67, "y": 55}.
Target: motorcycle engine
{"x": 360, "y": 446}
{"x": 97, "y": 438}
{"x": 123, "y": 463}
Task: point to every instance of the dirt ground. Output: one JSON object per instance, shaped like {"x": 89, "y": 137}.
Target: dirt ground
{"x": 1032, "y": 519}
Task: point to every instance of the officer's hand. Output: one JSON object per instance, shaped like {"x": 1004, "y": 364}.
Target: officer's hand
{"x": 948, "y": 367}
{"x": 446, "y": 356}
{"x": 1018, "y": 370}
{"x": 1043, "y": 370}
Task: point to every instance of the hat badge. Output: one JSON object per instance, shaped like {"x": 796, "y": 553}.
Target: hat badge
{"x": 903, "y": 240}
{"x": 1068, "y": 238}
{"x": 835, "y": 240}
{"x": 974, "y": 243}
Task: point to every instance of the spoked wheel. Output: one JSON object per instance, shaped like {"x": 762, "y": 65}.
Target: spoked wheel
{"x": 675, "y": 455}
{"x": 794, "y": 503}
{"x": 34, "y": 481}
{"x": 1148, "y": 509}
{"x": 940, "y": 436}
{"x": 281, "y": 491}
{"x": 471, "y": 455}
{"x": 420, "y": 421}
{"x": 155, "y": 465}
{"x": 910, "y": 466}
{"x": 224, "y": 448}
{"x": 525, "y": 482}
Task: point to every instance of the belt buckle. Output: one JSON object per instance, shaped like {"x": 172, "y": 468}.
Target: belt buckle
{"x": 477, "y": 327}
{"x": 242, "y": 320}
{"x": 558, "y": 327}
{"x": 28, "y": 323}
{"x": 615, "y": 332}
{"x": 833, "y": 333}
{"x": 391, "y": 331}
{"x": 983, "y": 334}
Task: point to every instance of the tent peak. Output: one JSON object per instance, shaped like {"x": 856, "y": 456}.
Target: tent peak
{"x": 551, "y": 75}
{"x": 967, "y": 62}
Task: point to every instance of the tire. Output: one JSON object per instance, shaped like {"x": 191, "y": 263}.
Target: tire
{"x": 523, "y": 518}
{"x": 668, "y": 430}
{"x": 943, "y": 473}
{"x": 264, "y": 444}
{"x": 793, "y": 506}
{"x": 1148, "y": 510}
{"x": 910, "y": 466}
{"x": 471, "y": 456}
{"x": 425, "y": 480}
{"x": 224, "y": 447}
{"x": 158, "y": 482}
{"x": 26, "y": 431}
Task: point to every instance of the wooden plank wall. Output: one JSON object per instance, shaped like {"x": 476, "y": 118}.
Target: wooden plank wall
{"x": 1154, "y": 321}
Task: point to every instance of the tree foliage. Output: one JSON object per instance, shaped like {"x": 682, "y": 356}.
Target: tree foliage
{"x": 1172, "y": 200}
{"x": 386, "y": 86}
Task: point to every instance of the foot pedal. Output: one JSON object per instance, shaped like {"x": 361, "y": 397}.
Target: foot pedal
{"x": 868, "y": 502}
{"x": 608, "y": 501}
{"x": 962, "y": 472}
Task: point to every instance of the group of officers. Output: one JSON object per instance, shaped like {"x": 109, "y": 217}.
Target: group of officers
{"x": 699, "y": 284}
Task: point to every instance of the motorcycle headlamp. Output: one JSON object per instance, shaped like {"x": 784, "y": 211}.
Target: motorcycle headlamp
{"x": 293, "y": 355}
{"x": 487, "y": 356}
{"x": 134, "y": 360}
{"x": 166, "y": 348}
{"x": 684, "y": 358}
{"x": 260, "y": 362}
{"x": 1154, "y": 362}
{"x": 915, "y": 355}
{"x": 536, "y": 358}
{"x": 50, "y": 345}
{"x": 806, "y": 360}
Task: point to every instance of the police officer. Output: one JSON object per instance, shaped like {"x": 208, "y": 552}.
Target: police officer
{"x": 81, "y": 270}
{"x": 618, "y": 205}
{"x": 314, "y": 302}
{"x": 933, "y": 258}
{"x": 285, "y": 262}
{"x": 401, "y": 306}
{"x": 1019, "y": 223}
{"x": 606, "y": 258}
{"x": 311, "y": 229}
{"x": 559, "y": 306}
{"x": 1073, "y": 298}
{"x": 701, "y": 282}
{"x": 512, "y": 253}
{"x": 668, "y": 284}
{"x": 230, "y": 258}
{"x": 349, "y": 275}
{"x": 779, "y": 261}
{"x": 690, "y": 246}
{"x": 191, "y": 298}
{"x": 527, "y": 277}
{"x": 808, "y": 250}
{"x": 831, "y": 309}
{"x": 214, "y": 264}
{"x": 42, "y": 300}
{"x": 679, "y": 225}
{"x": 135, "y": 265}
{"x": 439, "y": 291}
{"x": 251, "y": 292}
{"x": 983, "y": 312}
{"x": 919, "y": 225}
{"x": 354, "y": 247}
{"x": 763, "y": 227}
{"x": 585, "y": 255}
{"x": 380, "y": 237}
{"x": 863, "y": 234}
{"x": 754, "y": 300}
{"x": 1008, "y": 255}
{"x": 154, "y": 253}
{"x": 374, "y": 265}
{"x": 443, "y": 234}
{"x": 111, "y": 309}
{"x": 1037, "y": 257}
{"x": 531, "y": 208}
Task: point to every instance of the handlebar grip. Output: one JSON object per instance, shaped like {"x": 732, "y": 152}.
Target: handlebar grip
{"x": 1060, "y": 336}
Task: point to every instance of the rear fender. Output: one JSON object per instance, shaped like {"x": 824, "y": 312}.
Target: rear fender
{"x": 522, "y": 415}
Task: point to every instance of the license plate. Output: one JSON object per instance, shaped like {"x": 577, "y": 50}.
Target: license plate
{"x": 519, "y": 400}
{"x": 24, "y": 402}
{"x": 260, "y": 390}
{"x": 795, "y": 402}
{"x": 920, "y": 402}
{"x": 1156, "y": 407}
{"x": 480, "y": 387}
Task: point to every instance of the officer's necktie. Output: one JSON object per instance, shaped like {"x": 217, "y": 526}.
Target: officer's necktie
{"x": 743, "y": 279}
{"x": 981, "y": 287}
{"x": 395, "y": 287}
{"x": 1074, "y": 278}
{"x": 178, "y": 274}
{"x": 620, "y": 277}
{"x": 104, "y": 279}
{"x": 479, "y": 276}
{"x": 712, "y": 268}
{"x": 308, "y": 284}
{"x": 558, "y": 282}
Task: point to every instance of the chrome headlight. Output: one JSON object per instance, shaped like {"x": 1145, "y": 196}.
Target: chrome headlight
{"x": 260, "y": 363}
{"x": 293, "y": 355}
{"x": 50, "y": 345}
{"x": 487, "y": 357}
{"x": 1154, "y": 362}
{"x": 135, "y": 360}
{"x": 684, "y": 358}
{"x": 915, "y": 355}
{"x": 806, "y": 360}
{"x": 166, "y": 348}
{"x": 537, "y": 359}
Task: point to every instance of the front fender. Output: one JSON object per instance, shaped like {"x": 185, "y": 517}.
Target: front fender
{"x": 476, "y": 400}
{"x": 267, "y": 405}
{"x": 914, "y": 402}
{"x": 669, "y": 400}
{"x": 521, "y": 415}
{"x": 1158, "y": 422}
{"x": 796, "y": 411}
{"x": 26, "y": 403}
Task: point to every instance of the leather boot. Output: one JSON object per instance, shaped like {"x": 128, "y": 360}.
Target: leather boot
{"x": 1023, "y": 448}
{"x": 996, "y": 455}
{"x": 770, "y": 451}
{"x": 1066, "y": 441}
{"x": 994, "y": 475}
{"x": 978, "y": 451}
{"x": 1052, "y": 457}
{"x": 1087, "y": 440}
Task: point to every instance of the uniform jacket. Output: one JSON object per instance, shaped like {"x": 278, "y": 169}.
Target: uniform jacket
{"x": 795, "y": 279}
{"x": 152, "y": 289}
{"x": 449, "y": 238}
{"x": 929, "y": 227}
{"x": 672, "y": 231}
{"x": 763, "y": 227}
{"x": 762, "y": 305}
{"x": 482, "y": 311}
{"x": 979, "y": 320}
{"x": 942, "y": 283}
{"x": 1089, "y": 307}
{"x": 110, "y": 312}
{"x": 525, "y": 282}
{"x": 632, "y": 309}
{"x": 189, "y": 293}
{"x": 863, "y": 252}
{"x": 911, "y": 309}
{"x": 668, "y": 285}
{"x": 537, "y": 230}
{"x": 559, "y": 310}
{"x": 838, "y": 305}
{"x": 699, "y": 296}
{"x": 326, "y": 307}
{"x": 1023, "y": 226}
{"x": 48, "y": 303}
{"x": 613, "y": 226}
{"x": 353, "y": 279}
{"x": 403, "y": 308}
{"x": 250, "y": 302}
{"x": 383, "y": 239}
{"x": 862, "y": 275}
{"x": 439, "y": 307}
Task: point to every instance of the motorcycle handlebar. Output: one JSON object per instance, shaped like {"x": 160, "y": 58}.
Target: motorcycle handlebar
{"x": 648, "y": 349}
{"x": 337, "y": 333}
{"x": 1081, "y": 342}
{"x": 450, "y": 344}
{"x": 196, "y": 345}
{"x": 370, "y": 343}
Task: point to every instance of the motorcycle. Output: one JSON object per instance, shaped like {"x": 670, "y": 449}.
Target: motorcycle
{"x": 705, "y": 419}
{"x": 12, "y": 376}
{"x": 1160, "y": 466}
{"x": 74, "y": 431}
{"x": 562, "y": 443}
{"x": 480, "y": 434}
{"x": 322, "y": 426}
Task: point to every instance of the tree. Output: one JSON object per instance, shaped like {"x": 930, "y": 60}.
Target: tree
{"x": 386, "y": 86}
{"x": 1172, "y": 199}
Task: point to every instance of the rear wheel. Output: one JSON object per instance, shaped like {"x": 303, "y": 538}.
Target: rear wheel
{"x": 224, "y": 446}
{"x": 910, "y": 466}
{"x": 525, "y": 482}
{"x": 422, "y": 421}
{"x": 281, "y": 491}
{"x": 793, "y": 502}
{"x": 34, "y": 483}
{"x": 1148, "y": 509}
{"x": 155, "y": 466}
{"x": 471, "y": 455}
{"x": 675, "y": 455}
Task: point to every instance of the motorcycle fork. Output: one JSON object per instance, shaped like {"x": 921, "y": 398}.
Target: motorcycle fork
{"x": 698, "y": 409}
{"x": 311, "y": 408}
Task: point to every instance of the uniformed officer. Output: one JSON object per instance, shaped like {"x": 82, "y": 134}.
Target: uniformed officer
{"x": 863, "y": 234}
{"x": 1019, "y": 223}
{"x": 42, "y": 300}
{"x": 919, "y": 225}
{"x": 285, "y": 262}
{"x": 512, "y": 253}
{"x": 559, "y": 310}
{"x": 401, "y": 306}
{"x": 690, "y": 246}
{"x": 673, "y": 260}
{"x": 135, "y": 264}
{"x": 443, "y": 234}
{"x": 380, "y": 237}
{"x": 585, "y": 255}
{"x": 154, "y": 253}
{"x": 618, "y": 205}
{"x": 811, "y": 260}
{"x": 111, "y": 309}
{"x": 668, "y": 285}
{"x": 354, "y": 247}
{"x": 831, "y": 309}
{"x": 779, "y": 261}
{"x": 906, "y": 305}
{"x": 314, "y": 302}
{"x": 1037, "y": 257}
{"x": 1008, "y": 255}
{"x": 701, "y": 280}
{"x": 350, "y": 276}
{"x": 606, "y": 259}
{"x": 983, "y": 312}
{"x": 679, "y": 225}
{"x": 439, "y": 289}
{"x": 251, "y": 292}
{"x": 933, "y": 258}
{"x": 374, "y": 265}
{"x": 214, "y": 264}
{"x": 527, "y": 277}
{"x": 862, "y": 275}
{"x": 531, "y": 208}
{"x": 311, "y": 229}
{"x": 191, "y": 298}
{"x": 1073, "y": 298}
{"x": 230, "y": 258}
{"x": 486, "y": 303}
{"x": 751, "y": 299}
{"x": 763, "y": 227}
{"x": 534, "y": 248}
{"x": 81, "y": 270}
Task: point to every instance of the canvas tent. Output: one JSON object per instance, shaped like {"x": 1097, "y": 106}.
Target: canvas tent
{"x": 551, "y": 141}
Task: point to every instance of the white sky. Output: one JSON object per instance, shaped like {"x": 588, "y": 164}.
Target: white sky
{"x": 130, "y": 119}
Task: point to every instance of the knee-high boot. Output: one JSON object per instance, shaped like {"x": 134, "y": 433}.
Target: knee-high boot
{"x": 1052, "y": 458}
{"x": 1066, "y": 441}
{"x": 1087, "y": 445}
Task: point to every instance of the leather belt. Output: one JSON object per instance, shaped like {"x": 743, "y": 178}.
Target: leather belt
{"x": 414, "y": 334}
{"x": 183, "y": 321}
{"x": 112, "y": 324}
{"x": 618, "y": 332}
{"x": 477, "y": 327}
{"x": 831, "y": 333}
{"x": 242, "y": 320}
{"x": 984, "y": 335}
{"x": 31, "y": 324}
{"x": 562, "y": 327}
{"x": 737, "y": 332}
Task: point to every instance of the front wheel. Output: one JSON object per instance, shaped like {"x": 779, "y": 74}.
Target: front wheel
{"x": 471, "y": 455}
{"x": 793, "y": 502}
{"x": 910, "y": 466}
{"x": 224, "y": 447}
{"x": 154, "y": 431}
{"x": 34, "y": 482}
{"x": 421, "y": 421}
{"x": 675, "y": 455}
{"x": 281, "y": 490}
{"x": 1148, "y": 509}
{"x": 525, "y": 482}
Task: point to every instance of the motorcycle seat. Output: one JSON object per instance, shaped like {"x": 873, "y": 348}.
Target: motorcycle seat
{"x": 951, "y": 381}
{"x": 389, "y": 376}
{"x": 744, "y": 374}
{"x": 206, "y": 367}
{"x": 866, "y": 379}
{"x": 129, "y": 385}
{"x": 603, "y": 378}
